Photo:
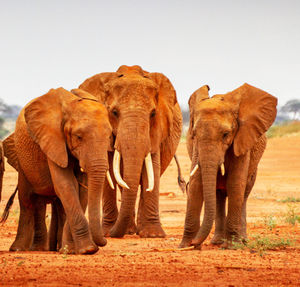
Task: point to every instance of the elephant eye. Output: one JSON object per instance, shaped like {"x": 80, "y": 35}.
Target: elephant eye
{"x": 153, "y": 113}
{"x": 115, "y": 112}
{"x": 225, "y": 135}
{"x": 78, "y": 137}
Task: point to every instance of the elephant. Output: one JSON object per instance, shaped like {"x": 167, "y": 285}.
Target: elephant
{"x": 225, "y": 142}
{"x": 55, "y": 135}
{"x": 146, "y": 124}
{"x": 2, "y": 167}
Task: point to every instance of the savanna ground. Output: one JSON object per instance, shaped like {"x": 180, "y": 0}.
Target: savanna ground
{"x": 132, "y": 261}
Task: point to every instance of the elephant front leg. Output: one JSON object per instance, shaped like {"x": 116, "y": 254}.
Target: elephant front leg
{"x": 236, "y": 185}
{"x": 250, "y": 184}
{"x": 148, "y": 215}
{"x": 67, "y": 242}
{"x": 219, "y": 234}
{"x": 65, "y": 185}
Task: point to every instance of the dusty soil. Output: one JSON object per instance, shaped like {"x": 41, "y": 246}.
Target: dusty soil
{"x": 132, "y": 261}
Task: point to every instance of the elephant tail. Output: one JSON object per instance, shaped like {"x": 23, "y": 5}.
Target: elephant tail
{"x": 8, "y": 206}
{"x": 181, "y": 182}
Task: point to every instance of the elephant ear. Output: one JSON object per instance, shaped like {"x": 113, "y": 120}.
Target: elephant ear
{"x": 198, "y": 96}
{"x": 169, "y": 118}
{"x": 44, "y": 124}
{"x": 257, "y": 112}
{"x": 84, "y": 95}
{"x": 95, "y": 85}
{"x": 10, "y": 152}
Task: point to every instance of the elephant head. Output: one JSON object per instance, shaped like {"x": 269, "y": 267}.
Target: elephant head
{"x": 233, "y": 121}
{"x": 140, "y": 107}
{"x": 69, "y": 126}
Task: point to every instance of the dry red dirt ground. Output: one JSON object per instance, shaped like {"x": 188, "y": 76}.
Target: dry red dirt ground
{"x": 132, "y": 261}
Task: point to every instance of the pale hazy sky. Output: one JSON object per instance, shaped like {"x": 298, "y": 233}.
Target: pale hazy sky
{"x": 47, "y": 44}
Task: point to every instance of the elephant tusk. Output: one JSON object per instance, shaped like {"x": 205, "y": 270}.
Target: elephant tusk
{"x": 81, "y": 169}
{"x": 116, "y": 169}
{"x": 150, "y": 173}
{"x": 222, "y": 169}
{"x": 110, "y": 182}
{"x": 194, "y": 170}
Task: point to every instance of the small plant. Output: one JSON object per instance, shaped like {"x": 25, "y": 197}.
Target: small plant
{"x": 235, "y": 245}
{"x": 270, "y": 222}
{"x": 261, "y": 244}
{"x": 65, "y": 251}
{"x": 21, "y": 263}
{"x": 4, "y": 261}
{"x": 292, "y": 216}
{"x": 290, "y": 199}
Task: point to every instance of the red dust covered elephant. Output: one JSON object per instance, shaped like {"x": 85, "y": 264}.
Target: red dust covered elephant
{"x": 146, "y": 121}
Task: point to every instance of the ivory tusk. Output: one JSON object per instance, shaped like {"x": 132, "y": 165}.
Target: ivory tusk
{"x": 150, "y": 173}
{"x": 110, "y": 182}
{"x": 116, "y": 169}
{"x": 194, "y": 170}
{"x": 81, "y": 169}
{"x": 222, "y": 169}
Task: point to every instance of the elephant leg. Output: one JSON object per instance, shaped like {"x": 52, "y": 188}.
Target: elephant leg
{"x": 25, "y": 230}
{"x": 67, "y": 245}
{"x": 40, "y": 228}
{"x": 109, "y": 210}
{"x": 58, "y": 218}
{"x": 66, "y": 188}
{"x": 149, "y": 222}
{"x": 250, "y": 184}
{"x": 236, "y": 185}
{"x": 193, "y": 209}
{"x": 219, "y": 234}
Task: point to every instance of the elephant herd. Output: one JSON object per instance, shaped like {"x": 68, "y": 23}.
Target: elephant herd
{"x": 73, "y": 148}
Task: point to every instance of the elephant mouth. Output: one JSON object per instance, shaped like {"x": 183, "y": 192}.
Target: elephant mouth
{"x": 118, "y": 177}
{"x": 222, "y": 168}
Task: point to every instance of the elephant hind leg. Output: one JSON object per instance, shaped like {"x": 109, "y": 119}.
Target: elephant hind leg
{"x": 40, "y": 229}
{"x": 24, "y": 235}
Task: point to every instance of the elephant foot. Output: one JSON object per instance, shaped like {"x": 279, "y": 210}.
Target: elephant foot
{"x": 218, "y": 239}
{"x": 90, "y": 249}
{"x": 131, "y": 229}
{"x": 39, "y": 247}
{"x": 106, "y": 227}
{"x": 185, "y": 242}
{"x": 17, "y": 246}
{"x": 151, "y": 231}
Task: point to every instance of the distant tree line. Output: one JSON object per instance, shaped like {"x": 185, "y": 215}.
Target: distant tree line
{"x": 8, "y": 113}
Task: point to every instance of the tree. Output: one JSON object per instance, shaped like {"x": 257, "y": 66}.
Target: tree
{"x": 292, "y": 106}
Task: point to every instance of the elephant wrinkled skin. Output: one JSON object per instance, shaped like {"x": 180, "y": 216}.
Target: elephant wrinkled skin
{"x": 225, "y": 141}
{"x": 146, "y": 122}
{"x": 55, "y": 135}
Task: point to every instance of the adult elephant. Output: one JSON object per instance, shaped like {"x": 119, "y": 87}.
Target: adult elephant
{"x": 56, "y": 134}
{"x": 226, "y": 133}
{"x": 146, "y": 122}
{"x": 1, "y": 167}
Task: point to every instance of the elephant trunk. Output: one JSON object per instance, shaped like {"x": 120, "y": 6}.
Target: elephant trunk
{"x": 132, "y": 172}
{"x": 209, "y": 170}
{"x": 133, "y": 143}
{"x": 96, "y": 176}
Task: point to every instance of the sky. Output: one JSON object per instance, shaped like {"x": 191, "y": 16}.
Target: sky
{"x": 48, "y": 44}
